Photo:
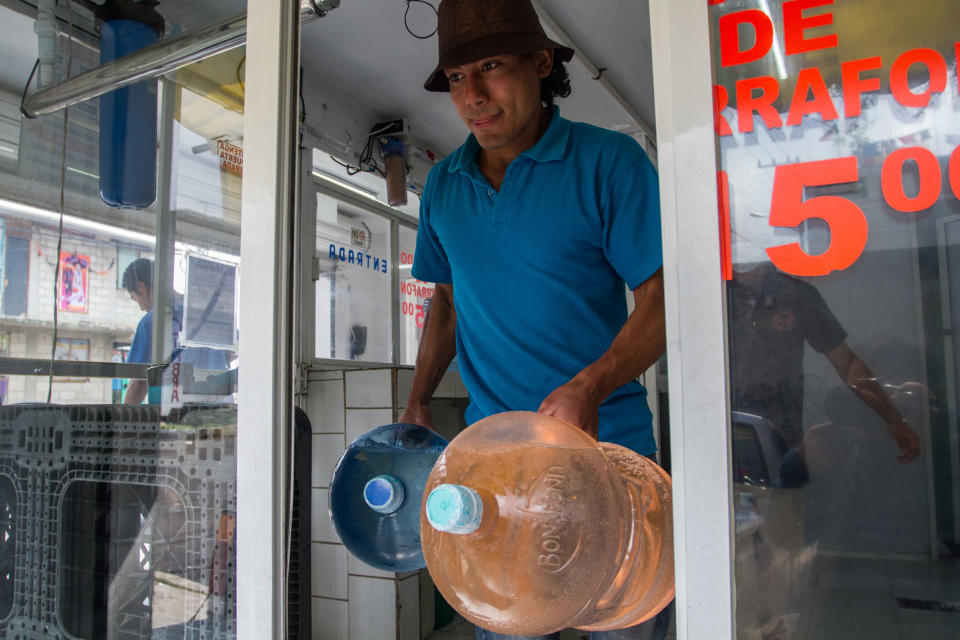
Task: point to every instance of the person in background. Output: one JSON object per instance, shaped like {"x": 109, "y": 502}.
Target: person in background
{"x": 138, "y": 282}
{"x": 772, "y": 316}
{"x": 531, "y": 230}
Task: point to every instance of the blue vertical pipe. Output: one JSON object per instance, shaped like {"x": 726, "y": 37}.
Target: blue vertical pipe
{"x": 128, "y": 116}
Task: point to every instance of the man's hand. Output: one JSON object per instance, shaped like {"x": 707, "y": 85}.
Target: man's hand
{"x": 906, "y": 438}
{"x": 574, "y": 402}
{"x": 418, "y": 414}
{"x": 638, "y": 344}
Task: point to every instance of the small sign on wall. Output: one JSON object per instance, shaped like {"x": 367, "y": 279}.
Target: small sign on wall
{"x": 231, "y": 157}
{"x": 74, "y": 282}
{"x": 209, "y": 306}
{"x": 360, "y": 236}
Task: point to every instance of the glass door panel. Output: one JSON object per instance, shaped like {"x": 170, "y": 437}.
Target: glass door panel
{"x": 838, "y": 154}
{"x": 118, "y": 451}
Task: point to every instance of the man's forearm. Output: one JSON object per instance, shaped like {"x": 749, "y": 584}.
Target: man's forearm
{"x": 136, "y": 392}
{"x": 858, "y": 376}
{"x": 862, "y": 381}
{"x": 866, "y": 386}
{"x": 437, "y": 347}
{"x": 638, "y": 345}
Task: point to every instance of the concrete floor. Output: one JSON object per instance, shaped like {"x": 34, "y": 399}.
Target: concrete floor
{"x": 877, "y": 599}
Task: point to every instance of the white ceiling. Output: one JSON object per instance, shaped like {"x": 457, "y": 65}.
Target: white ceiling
{"x": 363, "y": 50}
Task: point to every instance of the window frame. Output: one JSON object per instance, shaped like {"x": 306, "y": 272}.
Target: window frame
{"x": 319, "y": 186}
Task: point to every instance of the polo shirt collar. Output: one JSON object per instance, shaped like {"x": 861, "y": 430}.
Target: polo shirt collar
{"x": 551, "y": 146}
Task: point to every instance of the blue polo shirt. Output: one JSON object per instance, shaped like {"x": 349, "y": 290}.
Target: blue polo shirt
{"x": 141, "y": 347}
{"x": 539, "y": 267}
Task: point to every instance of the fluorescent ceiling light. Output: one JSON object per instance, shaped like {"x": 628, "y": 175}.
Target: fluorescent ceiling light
{"x": 349, "y": 186}
{"x": 73, "y": 221}
{"x": 109, "y": 230}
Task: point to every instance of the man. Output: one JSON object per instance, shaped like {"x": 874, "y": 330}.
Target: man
{"x": 530, "y": 230}
{"x": 138, "y": 281}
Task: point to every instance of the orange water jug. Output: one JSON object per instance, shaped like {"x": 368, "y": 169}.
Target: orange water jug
{"x": 530, "y": 526}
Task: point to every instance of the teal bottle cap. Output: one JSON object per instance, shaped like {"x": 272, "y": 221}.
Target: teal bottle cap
{"x": 453, "y": 508}
{"x": 383, "y": 494}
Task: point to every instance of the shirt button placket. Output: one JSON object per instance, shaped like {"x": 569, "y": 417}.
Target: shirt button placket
{"x": 498, "y": 219}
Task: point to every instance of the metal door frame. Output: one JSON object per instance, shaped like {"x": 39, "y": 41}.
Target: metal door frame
{"x": 696, "y": 330}
{"x": 266, "y": 314}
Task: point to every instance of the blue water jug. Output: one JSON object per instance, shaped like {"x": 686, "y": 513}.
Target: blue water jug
{"x": 128, "y": 116}
{"x": 375, "y": 494}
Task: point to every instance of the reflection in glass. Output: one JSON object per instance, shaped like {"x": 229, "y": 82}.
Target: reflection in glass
{"x": 353, "y": 319}
{"x": 117, "y": 520}
{"x": 838, "y": 134}
{"x": 415, "y": 298}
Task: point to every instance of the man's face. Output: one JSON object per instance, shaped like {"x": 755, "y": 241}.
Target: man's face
{"x": 499, "y": 98}
{"x": 142, "y": 297}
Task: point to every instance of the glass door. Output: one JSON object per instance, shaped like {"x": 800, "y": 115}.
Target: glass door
{"x": 123, "y": 210}
{"x": 835, "y": 137}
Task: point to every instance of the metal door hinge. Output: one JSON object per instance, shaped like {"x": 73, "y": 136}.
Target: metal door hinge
{"x": 301, "y": 379}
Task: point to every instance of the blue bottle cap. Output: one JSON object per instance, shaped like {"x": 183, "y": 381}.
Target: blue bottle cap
{"x": 454, "y": 508}
{"x": 383, "y": 494}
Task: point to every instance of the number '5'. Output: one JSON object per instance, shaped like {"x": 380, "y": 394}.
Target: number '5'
{"x": 848, "y": 224}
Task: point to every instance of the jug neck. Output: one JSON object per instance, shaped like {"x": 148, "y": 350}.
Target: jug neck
{"x": 454, "y": 508}
{"x": 384, "y": 494}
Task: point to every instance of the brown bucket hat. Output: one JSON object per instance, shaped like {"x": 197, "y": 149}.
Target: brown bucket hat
{"x": 471, "y": 30}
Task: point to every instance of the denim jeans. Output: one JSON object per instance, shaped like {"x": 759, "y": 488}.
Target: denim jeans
{"x": 654, "y": 629}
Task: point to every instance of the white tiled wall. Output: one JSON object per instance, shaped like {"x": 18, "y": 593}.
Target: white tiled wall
{"x": 351, "y": 600}
{"x": 408, "y": 608}
{"x": 450, "y": 386}
{"x": 325, "y": 405}
{"x": 372, "y": 608}
{"x": 357, "y": 567}
{"x": 327, "y": 448}
{"x": 359, "y": 421}
{"x": 329, "y": 619}
{"x": 322, "y": 530}
{"x": 329, "y": 571}
{"x": 427, "y": 604}
{"x": 404, "y": 382}
{"x": 369, "y": 389}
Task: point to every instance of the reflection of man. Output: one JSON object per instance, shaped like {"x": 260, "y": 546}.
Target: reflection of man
{"x": 771, "y": 317}
{"x": 138, "y": 281}
{"x": 531, "y": 230}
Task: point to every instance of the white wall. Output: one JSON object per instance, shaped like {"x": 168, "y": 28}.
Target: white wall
{"x": 352, "y": 601}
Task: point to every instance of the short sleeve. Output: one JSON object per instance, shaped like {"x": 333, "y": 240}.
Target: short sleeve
{"x": 823, "y": 331}
{"x": 140, "y": 347}
{"x": 430, "y": 263}
{"x": 631, "y": 219}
